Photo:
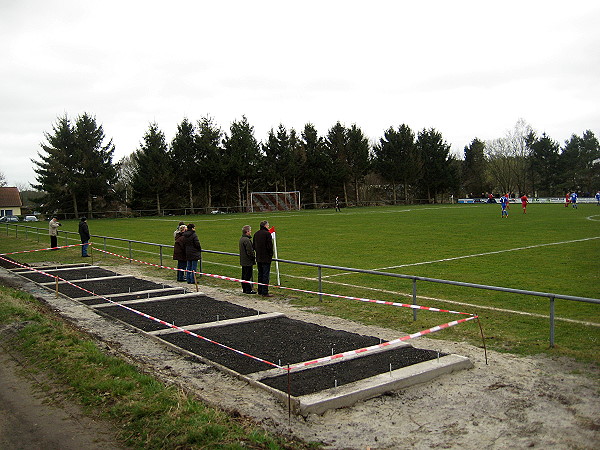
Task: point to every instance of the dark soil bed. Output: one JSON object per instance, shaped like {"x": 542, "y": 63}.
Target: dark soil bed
{"x": 68, "y": 274}
{"x": 329, "y": 376}
{"x": 8, "y": 264}
{"x": 280, "y": 340}
{"x": 122, "y": 298}
{"x": 182, "y": 311}
{"x": 105, "y": 287}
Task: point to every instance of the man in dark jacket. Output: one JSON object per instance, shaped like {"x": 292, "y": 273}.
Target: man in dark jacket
{"x": 247, "y": 258}
{"x": 193, "y": 252}
{"x": 179, "y": 253}
{"x": 84, "y": 234}
{"x": 263, "y": 245}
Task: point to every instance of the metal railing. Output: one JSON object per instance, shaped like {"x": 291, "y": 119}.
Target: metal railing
{"x": 550, "y": 296}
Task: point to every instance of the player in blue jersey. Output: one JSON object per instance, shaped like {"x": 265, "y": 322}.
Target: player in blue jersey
{"x": 504, "y": 205}
{"x": 574, "y": 199}
{"x": 598, "y": 198}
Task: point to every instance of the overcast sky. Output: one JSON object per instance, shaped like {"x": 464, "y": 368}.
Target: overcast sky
{"x": 466, "y": 68}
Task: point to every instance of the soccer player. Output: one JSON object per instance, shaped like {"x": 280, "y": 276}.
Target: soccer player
{"x": 504, "y": 205}
{"x": 567, "y": 199}
{"x": 524, "y": 201}
{"x": 574, "y": 200}
{"x": 598, "y": 198}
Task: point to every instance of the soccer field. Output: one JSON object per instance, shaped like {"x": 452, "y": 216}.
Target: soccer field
{"x": 550, "y": 249}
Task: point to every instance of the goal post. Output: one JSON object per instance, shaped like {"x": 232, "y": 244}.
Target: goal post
{"x": 274, "y": 201}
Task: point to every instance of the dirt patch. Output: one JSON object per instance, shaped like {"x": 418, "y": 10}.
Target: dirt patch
{"x": 34, "y": 412}
{"x": 514, "y": 402}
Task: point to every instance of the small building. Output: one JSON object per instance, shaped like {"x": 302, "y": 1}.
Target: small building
{"x": 10, "y": 201}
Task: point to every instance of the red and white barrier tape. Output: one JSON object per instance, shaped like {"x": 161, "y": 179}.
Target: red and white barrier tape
{"x": 384, "y": 344}
{"x": 256, "y": 358}
{"x": 305, "y": 291}
{"x": 147, "y": 316}
{"x": 43, "y": 249}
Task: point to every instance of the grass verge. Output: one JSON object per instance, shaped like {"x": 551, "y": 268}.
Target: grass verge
{"x": 147, "y": 413}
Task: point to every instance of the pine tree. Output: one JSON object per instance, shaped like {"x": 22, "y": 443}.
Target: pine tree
{"x": 358, "y": 157}
{"x": 242, "y": 153}
{"x": 439, "y": 172}
{"x": 336, "y": 148}
{"x": 474, "y": 169}
{"x": 315, "y": 160}
{"x": 184, "y": 155}
{"x": 97, "y": 170}
{"x": 397, "y": 160}
{"x": 153, "y": 177}
{"x": 210, "y": 155}
{"x": 75, "y": 165}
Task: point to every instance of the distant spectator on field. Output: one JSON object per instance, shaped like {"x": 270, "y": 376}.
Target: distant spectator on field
{"x": 524, "y": 201}
{"x": 176, "y": 232}
{"x": 491, "y": 198}
{"x": 193, "y": 252}
{"x": 179, "y": 252}
{"x": 263, "y": 245}
{"x": 84, "y": 235}
{"x": 337, "y": 203}
{"x": 53, "y": 232}
{"x": 574, "y": 199}
{"x": 247, "y": 258}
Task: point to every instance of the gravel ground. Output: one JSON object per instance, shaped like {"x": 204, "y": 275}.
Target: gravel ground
{"x": 513, "y": 402}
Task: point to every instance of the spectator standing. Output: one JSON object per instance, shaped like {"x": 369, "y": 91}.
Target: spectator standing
{"x": 84, "y": 235}
{"x": 263, "y": 245}
{"x": 247, "y": 258}
{"x": 53, "y": 232}
{"x": 193, "y": 252}
{"x": 337, "y": 204}
{"x": 176, "y": 232}
{"x": 179, "y": 252}
{"x": 524, "y": 201}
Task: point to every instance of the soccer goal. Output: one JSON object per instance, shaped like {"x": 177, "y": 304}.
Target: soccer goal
{"x": 274, "y": 201}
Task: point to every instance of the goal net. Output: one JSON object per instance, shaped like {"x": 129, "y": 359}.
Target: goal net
{"x": 274, "y": 201}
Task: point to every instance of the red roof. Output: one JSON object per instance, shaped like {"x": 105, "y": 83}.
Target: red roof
{"x": 9, "y": 196}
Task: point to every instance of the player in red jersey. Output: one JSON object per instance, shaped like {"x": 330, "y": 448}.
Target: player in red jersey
{"x": 524, "y": 201}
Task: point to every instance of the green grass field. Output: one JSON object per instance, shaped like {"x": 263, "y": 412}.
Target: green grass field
{"x": 550, "y": 249}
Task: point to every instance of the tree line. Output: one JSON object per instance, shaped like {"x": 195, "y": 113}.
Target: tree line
{"x": 204, "y": 167}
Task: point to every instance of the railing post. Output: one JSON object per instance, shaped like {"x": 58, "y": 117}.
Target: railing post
{"x": 551, "y": 321}
{"x": 414, "y": 299}
{"x": 320, "y": 284}
{"x": 104, "y": 243}
{"x": 130, "y": 258}
{"x": 161, "y": 255}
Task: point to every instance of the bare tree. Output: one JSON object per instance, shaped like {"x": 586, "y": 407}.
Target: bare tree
{"x": 508, "y": 159}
